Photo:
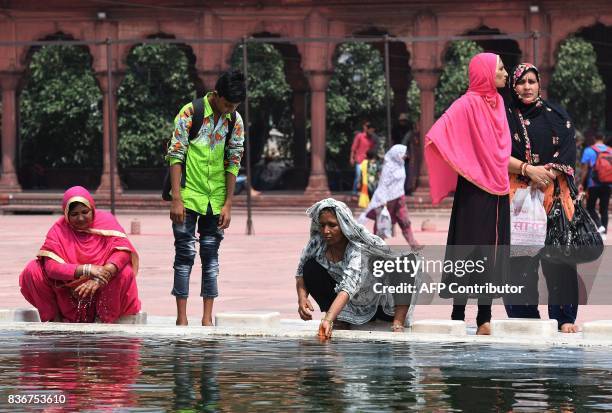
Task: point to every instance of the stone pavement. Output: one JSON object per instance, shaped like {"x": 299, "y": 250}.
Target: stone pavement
{"x": 256, "y": 271}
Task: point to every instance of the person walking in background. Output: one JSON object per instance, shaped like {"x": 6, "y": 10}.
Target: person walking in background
{"x": 596, "y": 176}
{"x": 467, "y": 151}
{"x": 390, "y": 194}
{"x": 369, "y": 178}
{"x": 362, "y": 143}
{"x": 212, "y": 161}
{"x": 402, "y": 134}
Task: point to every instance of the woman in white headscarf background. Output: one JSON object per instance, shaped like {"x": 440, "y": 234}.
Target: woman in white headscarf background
{"x": 390, "y": 193}
{"x": 334, "y": 271}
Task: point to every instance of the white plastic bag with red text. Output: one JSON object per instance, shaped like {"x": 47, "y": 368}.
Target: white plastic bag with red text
{"x": 527, "y": 222}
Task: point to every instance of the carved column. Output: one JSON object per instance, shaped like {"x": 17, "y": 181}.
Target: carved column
{"x": 299, "y": 132}
{"x": 105, "y": 179}
{"x": 427, "y": 81}
{"x": 8, "y": 179}
{"x": 317, "y": 182}
{"x": 209, "y": 77}
{"x": 425, "y": 70}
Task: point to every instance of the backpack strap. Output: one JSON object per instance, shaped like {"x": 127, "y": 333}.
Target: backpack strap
{"x": 230, "y": 126}
{"x": 197, "y": 118}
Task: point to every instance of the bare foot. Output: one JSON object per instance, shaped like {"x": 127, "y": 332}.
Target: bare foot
{"x": 569, "y": 328}
{"x": 484, "y": 330}
{"x": 207, "y": 323}
{"x": 416, "y": 246}
{"x": 181, "y": 322}
{"x": 397, "y": 328}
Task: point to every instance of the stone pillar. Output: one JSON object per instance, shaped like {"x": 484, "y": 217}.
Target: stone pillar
{"x": 299, "y": 133}
{"x": 209, "y": 77}
{"x": 105, "y": 179}
{"x": 317, "y": 182}
{"x": 8, "y": 179}
{"x": 427, "y": 81}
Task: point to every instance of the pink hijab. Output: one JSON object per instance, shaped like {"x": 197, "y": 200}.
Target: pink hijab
{"x": 92, "y": 246}
{"x": 472, "y": 137}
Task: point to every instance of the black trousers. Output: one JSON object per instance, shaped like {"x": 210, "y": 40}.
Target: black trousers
{"x": 320, "y": 285}
{"x": 484, "y": 310}
{"x": 601, "y": 193}
{"x": 561, "y": 283}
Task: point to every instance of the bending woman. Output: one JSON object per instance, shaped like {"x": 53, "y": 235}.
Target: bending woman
{"x": 333, "y": 270}
{"x": 86, "y": 269}
{"x": 543, "y": 149}
{"x": 467, "y": 151}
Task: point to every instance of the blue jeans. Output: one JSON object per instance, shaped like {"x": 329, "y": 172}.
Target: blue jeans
{"x": 357, "y": 181}
{"x": 185, "y": 252}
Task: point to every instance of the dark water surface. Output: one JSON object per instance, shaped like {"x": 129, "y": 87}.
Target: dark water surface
{"x": 99, "y": 372}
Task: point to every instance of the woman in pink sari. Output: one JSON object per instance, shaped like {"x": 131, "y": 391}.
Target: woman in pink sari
{"x": 86, "y": 269}
{"x": 467, "y": 151}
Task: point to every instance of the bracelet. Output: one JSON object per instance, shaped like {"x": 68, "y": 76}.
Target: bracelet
{"x": 331, "y": 322}
{"x": 523, "y": 168}
{"x": 86, "y": 270}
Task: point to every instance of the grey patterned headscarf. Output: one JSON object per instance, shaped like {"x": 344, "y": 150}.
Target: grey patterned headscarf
{"x": 352, "y": 230}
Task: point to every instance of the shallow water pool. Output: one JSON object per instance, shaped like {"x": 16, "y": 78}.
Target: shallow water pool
{"x": 100, "y": 372}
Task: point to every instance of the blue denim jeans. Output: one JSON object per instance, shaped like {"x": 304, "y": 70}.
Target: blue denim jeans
{"x": 357, "y": 181}
{"x": 185, "y": 252}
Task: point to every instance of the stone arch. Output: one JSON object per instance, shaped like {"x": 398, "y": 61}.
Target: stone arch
{"x": 50, "y": 33}
{"x": 144, "y": 168}
{"x": 295, "y": 177}
{"x": 598, "y": 35}
{"x": 400, "y": 74}
{"x": 33, "y": 171}
{"x": 508, "y": 49}
{"x": 564, "y": 27}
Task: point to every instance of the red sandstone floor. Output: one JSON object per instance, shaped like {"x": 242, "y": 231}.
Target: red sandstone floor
{"x": 256, "y": 271}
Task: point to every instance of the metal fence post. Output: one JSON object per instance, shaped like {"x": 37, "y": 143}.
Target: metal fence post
{"x": 388, "y": 90}
{"x": 245, "y": 69}
{"x": 111, "y": 144}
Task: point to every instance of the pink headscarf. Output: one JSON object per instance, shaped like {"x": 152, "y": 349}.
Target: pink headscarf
{"x": 472, "y": 137}
{"x": 95, "y": 245}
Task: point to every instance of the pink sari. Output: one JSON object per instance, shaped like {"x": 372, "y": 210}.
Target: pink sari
{"x": 67, "y": 245}
{"x": 472, "y": 137}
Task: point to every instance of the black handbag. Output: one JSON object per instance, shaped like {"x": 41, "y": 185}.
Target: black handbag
{"x": 571, "y": 242}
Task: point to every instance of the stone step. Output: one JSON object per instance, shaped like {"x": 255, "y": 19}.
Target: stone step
{"x": 10, "y": 315}
{"x": 248, "y": 319}
{"x": 449, "y": 327}
{"x": 597, "y": 330}
{"x": 140, "y": 318}
{"x": 50, "y": 201}
{"x": 523, "y": 328}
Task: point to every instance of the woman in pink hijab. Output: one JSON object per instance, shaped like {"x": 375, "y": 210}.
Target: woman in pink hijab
{"x": 86, "y": 269}
{"x": 467, "y": 151}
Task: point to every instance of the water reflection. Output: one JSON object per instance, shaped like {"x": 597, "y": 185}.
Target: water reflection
{"x": 100, "y": 372}
{"x": 93, "y": 373}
